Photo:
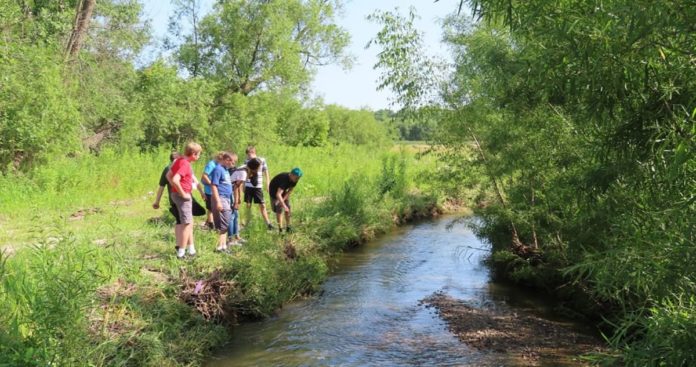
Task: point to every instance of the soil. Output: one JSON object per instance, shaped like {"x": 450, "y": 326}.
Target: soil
{"x": 520, "y": 339}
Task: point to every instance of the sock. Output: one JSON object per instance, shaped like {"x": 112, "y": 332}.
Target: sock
{"x": 180, "y": 252}
{"x": 192, "y": 249}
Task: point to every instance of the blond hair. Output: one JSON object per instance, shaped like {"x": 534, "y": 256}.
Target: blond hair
{"x": 192, "y": 148}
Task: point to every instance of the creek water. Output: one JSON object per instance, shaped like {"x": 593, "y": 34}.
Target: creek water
{"x": 369, "y": 311}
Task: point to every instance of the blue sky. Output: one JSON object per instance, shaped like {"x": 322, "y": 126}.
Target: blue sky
{"x": 355, "y": 88}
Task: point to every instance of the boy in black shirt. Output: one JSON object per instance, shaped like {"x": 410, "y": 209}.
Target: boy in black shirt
{"x": 279, "y": 189}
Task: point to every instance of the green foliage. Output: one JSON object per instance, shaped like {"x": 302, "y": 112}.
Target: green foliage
{"x": 576, "y": 120}
{"x": 37, "y": 117}
{"x": 407, "y": 70}
{"x": 393, "y": 180}
{"x": 268, "y": 278}
{"x": 666, "y": 334}
{"x": 113, "y": 255}
{"x": 173, "y": 111}
{"x": 409, "y": 126}
{"x": 355, "y": 127}
{"x": 252, "y": 45}
{"x": 303, "y": 126}
{"x": 242, "y": 120}
{"x": 46, "y": 296}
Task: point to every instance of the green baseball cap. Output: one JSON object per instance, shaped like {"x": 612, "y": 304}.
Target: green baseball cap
{"x": 296, "y": 171}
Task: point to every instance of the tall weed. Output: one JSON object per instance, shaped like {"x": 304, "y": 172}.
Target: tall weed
{"x": 47, "y": 293}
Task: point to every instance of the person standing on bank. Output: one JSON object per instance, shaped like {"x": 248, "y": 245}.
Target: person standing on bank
{"x": 180, "y": 177}
{"x": 280, "y": 188}
{"x": 253, "y": 190}
{"x": 205, "y": 179}
{"x": 164, "y": 185}
{"x": 221, "y": 188}
{"x": 238, "y": 175}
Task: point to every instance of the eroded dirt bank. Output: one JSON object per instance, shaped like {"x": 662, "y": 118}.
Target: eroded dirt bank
{"x": 514, "y": 338}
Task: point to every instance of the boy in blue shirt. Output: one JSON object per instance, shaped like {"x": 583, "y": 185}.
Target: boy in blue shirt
{"x": 205, "y": 178}
{"x": 221, "y": 197}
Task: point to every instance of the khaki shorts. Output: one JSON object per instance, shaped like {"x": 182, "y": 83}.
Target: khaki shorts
{"x": 221, "y": 219}
{"x": 184, "y": 207}
{"x": 278, "y": 207}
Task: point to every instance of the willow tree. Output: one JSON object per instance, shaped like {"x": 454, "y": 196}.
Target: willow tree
{"x": 587, "y": 113}
{"x": 250, "y": 44}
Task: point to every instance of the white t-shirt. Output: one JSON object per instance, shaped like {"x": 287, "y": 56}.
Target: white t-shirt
{"x": 240, "y": 174}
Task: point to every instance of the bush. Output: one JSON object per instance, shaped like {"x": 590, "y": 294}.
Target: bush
{"x": 665, "y": 336}
{"x": 37, "y": 116}
{"x": 47, "y": 294}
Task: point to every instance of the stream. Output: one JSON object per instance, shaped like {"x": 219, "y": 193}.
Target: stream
{"x": 369, "y": 311}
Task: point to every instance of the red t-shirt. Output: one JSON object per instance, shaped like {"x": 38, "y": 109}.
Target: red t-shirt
{"x": 182, "y": 166}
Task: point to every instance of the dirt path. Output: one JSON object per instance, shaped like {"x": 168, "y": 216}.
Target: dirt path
{"x": 518, "y": 339}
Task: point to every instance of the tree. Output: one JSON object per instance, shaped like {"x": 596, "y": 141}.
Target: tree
{"x": 247, "y": 45}
{"x": 406, "y": 69}
{"x": 37, "y": 116}
{"x": 355, "y": 127}
{"x": 189, "y": 52}
{"x": 174, "y": 110}
{"x": 83, "y": 15}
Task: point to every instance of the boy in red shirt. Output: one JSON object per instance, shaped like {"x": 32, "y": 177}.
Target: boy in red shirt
{"x": 180, "y": 177}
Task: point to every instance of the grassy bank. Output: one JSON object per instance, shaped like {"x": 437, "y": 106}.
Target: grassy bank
{"x": 88, "y": 274}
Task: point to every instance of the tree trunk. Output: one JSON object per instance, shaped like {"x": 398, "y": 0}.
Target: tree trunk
{"x": 83, "y": 15}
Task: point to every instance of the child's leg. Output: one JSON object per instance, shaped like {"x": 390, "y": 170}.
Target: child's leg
{"x": 287, "y": 219}
{"x": 279, "y": 219}
{"x": 179, "y": 235}
{"x": 187, "y": 234}
{"x": 234, "y": 224}
{"x": 264, "y": 213}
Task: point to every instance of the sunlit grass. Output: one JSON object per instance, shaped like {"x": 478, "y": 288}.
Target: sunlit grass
{"x": 98, "y": 211}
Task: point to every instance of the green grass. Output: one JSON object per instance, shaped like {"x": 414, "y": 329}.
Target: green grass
{"x": 89, "y": 265}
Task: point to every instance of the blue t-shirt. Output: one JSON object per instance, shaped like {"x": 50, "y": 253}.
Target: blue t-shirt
{"x": 220, "y": 177}
{"x": 208, "y": 170}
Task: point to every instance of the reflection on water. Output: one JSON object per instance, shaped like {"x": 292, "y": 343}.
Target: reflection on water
{"x": 369, "y": 312}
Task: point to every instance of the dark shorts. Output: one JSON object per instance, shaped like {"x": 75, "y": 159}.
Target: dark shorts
{"x": 208, "y": 201}
{"x": 253, "y": 194}
{"x": 175, "y": 212}
{"x": 277, "y": 208}
{"x": 222, "y": 218}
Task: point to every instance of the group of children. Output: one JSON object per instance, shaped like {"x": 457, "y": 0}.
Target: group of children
{"x": 222, "y": 191}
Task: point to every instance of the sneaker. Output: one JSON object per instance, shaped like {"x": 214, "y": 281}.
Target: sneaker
{"x": 222, "y": 250}
{"x": 270, "y": 226}
{"x": 179, "y": 255}
{"x": 240, "y": 240}
{"x": 288, "y": 229}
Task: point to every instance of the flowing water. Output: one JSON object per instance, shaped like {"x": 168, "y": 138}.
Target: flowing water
{"x": 369, "y": 311}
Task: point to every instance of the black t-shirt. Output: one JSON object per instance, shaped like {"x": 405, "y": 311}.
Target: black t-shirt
{"x": 164, "y": 182}
{"x": 163, "y": 178}
{"x": 280, "y": 181}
